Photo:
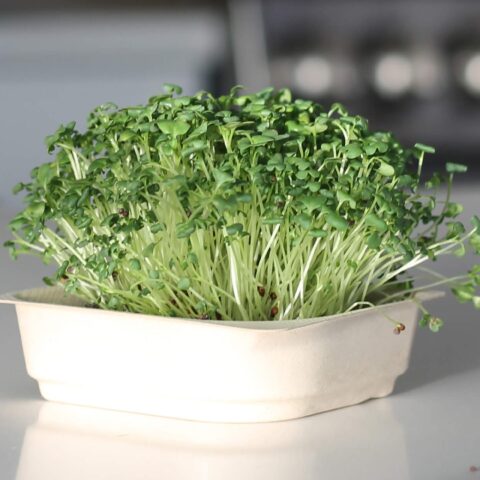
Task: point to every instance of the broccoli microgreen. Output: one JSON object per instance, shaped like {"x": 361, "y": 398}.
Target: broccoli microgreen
{"x": 240, "y": 207}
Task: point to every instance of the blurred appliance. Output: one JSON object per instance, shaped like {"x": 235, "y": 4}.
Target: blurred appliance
{"x": 412, "y": 67}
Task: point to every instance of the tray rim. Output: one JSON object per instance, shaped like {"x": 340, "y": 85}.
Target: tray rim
{"x": 15, "y": 298}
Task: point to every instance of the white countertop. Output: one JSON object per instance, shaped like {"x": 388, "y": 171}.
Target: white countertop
{"x": 429, "y": 428}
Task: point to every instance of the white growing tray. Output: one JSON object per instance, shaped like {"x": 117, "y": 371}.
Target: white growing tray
{"x": 222, "y": 371}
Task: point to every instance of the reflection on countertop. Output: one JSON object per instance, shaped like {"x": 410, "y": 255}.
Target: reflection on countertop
{"x": 79, "y": 443}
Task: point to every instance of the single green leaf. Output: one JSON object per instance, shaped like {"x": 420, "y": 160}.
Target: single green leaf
{"x": 126, "y": 135}
{"x": 194, "y": 146}
{"x": 12, "y": 250}
{"x": 50, "y": 142}
{"x": 243, "y": 197}
{"x": 153, "y": 274}
{"x": 475, "y": 243}
{"x": 302, "y": 164}
{"x": 313, "y": 187}
{"x": 405, "y": 181}
{"x": 425, "y": 148}
{"x": 173, "y": 127}
{"x": 304, "y": 220}
{"x": 261, "y": 140}
{"x": 225, "y": 204}
{"x": 476, "y": 301}
{"x": 374, "y": 221}
{"x": 192, "y": 258}
{"x": 464, "y": 292}
{"x": 474, "y": 274}
{"x": 455, "y": 229}
{"x": 185, "y": 230}
{"x": 113, "y": 303}
{"x": 317, "y": 233}
{"x": 295, "y": 127}
{"x": 49, "y": 281}
{"x": 455, "y": 167}
{"x": 222, "y": 178}
{"x": 345, "y": 197}
{"x": 35, "y": 210}
{"x": 353, "y": 150}
{"x": 386, "y": 170}
{"x": 312, "y": 202}
{"x": 18, "y": 188}
{"x": 435, "y": 324}
{"x": 157, "y": 227}
{"x": 453, "y": 209}
{"x": 45, "y": 173}
{"x": 97, "y": 165}
{"x": 476, "y": 223}
{"x": 374, "y": 241}
{"x": 83, "y": 222}
{"x": 183, "y": 283}
{"x": 17, "y": 223}
{"x": 424, "y": 320}
{"x": 320, "y": 127}
{"x": 336, "y": 221}
{"x": 275, "y": 220}
{"x": 148, "y": 250}
{"x": 172, "y": 181}
{"x": 302, "y": 174}
{"x": 234, "y": 228}
{"x": 135, "y": 264}
{"x": 171, "y": 88}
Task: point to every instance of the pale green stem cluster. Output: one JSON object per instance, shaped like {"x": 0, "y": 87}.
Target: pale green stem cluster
{"x": 302, "y": 276}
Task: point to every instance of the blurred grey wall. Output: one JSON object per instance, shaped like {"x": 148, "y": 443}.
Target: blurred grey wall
{"x": 55, "y": 67}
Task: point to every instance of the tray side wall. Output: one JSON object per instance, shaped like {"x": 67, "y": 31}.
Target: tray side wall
{"x": 191, "y": 370}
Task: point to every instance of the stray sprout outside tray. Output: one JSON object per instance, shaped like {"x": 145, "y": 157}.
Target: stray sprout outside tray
{"x": 241, "y": 207}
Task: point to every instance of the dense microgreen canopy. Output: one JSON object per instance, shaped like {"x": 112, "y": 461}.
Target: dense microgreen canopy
{"x": 239, "y": 207}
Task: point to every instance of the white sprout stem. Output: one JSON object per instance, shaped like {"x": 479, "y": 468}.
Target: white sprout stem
{"x": 233, "y": 272}
{"x": 424, "y": 287}
{"x": 269, "y": 245}
{"x": 300, "y": 288}
{"x": 50, "y": 237}
{"x": 233, "y": 275}
{"x": 358, "y": 304}
{"x": 419, "y": 259}
{"x": 73, "y": 157}
{"x": 32, "y": 246}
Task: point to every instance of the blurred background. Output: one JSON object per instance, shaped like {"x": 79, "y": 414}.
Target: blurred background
{"x": 412, "y": 67}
